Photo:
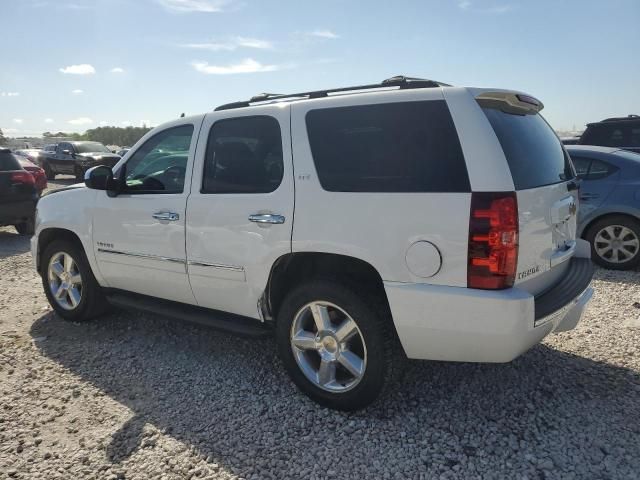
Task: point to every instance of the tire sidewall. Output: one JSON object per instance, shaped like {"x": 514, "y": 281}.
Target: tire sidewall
{"x": 90, "y": 288}
{"x": 370, "y": 325}
{"x": 605, "y": 222}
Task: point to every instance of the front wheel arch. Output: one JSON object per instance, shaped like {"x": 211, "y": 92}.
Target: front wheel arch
{"x": 49, "y": 235}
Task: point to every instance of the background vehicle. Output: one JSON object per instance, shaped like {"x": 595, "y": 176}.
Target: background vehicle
{"x": 431, "y": 221}
{"x": 18, "y": 195}
{"x": 74, "y": 158}
{"x": 31, "y": 154}
{"x": 621, "y": 132}
{"x": 123, "y": 151}
{"x": 38, "y": 173}
{"x": 609, "y": 215}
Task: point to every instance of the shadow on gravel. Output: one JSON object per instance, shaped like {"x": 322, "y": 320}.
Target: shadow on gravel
{"x": 11, "y": 243}
{"x": 230, "y": 399}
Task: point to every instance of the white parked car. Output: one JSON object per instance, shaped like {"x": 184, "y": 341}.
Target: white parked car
{"x": 359, "y": 225}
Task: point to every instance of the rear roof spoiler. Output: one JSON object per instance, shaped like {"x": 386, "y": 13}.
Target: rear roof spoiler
{"x": 510, "y": 102}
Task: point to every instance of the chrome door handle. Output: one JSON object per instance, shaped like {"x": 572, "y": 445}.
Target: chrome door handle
{"x": 266, "y": 218}
{"x": 166, "y": 216}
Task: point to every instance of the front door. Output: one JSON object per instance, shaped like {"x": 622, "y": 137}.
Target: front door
{"x": 139, "y": 236}
{"x": 240, "y": 212}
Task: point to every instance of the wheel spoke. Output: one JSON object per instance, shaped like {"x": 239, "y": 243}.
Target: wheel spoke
{"x": 631, "y": 243}
{"x": 352, "y": 362}
{"x": 75, "y": 279}
{"x": 629, "y": 253}
{"x": 60, "y": 292}
{"x": 610, "y": 232}
{"x": 57, "y": 269}
{"x": 68, "y": 263}
{"x": 304, "y": 340}
{"x": 74, "y": 296}
{"x": 321, "y": 317}
{"x": 346, "y": 330}
{"x": 326, "y": 372}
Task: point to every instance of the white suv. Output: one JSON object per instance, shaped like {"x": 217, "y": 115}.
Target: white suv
{"x": 359, "y": 225}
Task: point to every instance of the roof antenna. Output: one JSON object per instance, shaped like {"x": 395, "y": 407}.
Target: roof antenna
{"x": 182, "y": 115}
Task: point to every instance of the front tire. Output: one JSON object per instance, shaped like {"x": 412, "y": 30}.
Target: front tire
{"x": 79, "y": 173}
{"x": 69, "y": 284}
{"x": 615, "y": 242}
{"x": 338, "y": 345}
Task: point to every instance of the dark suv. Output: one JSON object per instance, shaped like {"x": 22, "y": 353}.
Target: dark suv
{"x": 621, "y": 132}
{"x": 74, "y": 158}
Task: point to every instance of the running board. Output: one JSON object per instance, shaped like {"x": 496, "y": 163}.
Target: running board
{"x": 228, "y": 322}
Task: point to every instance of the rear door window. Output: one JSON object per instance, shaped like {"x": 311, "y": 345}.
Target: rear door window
{"x": 532, "y": 149}
{"x": 389, "y": 147}
{"x": 244, "y": 155}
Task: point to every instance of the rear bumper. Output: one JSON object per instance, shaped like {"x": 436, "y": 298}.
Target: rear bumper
{"x": 16, "y": 212}
{"x": 462, "y": 324}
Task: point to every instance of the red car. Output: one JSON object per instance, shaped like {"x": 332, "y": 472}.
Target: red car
{"x": 35, "y": 171}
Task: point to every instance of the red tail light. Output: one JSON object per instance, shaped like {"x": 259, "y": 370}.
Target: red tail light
{"x": 493, "y": 240}
{"x": 22, "y": 177}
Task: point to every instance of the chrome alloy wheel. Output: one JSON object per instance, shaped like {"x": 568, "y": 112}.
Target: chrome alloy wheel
{"x": 616, "y": 244}
{"x": 328, "y": 346}
{"x": 65, "y": 282}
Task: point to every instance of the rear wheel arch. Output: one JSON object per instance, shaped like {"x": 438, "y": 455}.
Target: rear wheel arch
{"x": 593, "y": 221}
{"x": 291, "y": 269}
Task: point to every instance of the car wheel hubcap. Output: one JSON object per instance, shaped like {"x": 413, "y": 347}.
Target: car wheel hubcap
{"x": 616, "y": 244}
{"x": 65, "y": 282}
{"x": 328, "y": 346}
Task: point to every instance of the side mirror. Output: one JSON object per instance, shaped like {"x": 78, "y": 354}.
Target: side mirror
{"x": 100, "y": 178}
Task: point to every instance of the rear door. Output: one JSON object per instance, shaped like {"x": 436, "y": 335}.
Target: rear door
{"x": 547, "y": 205}
{"x": 598, "y": 181}
{"x": 240, "y": 211}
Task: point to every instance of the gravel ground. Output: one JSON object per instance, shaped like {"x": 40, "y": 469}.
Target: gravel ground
{"x": 138, "y": 397}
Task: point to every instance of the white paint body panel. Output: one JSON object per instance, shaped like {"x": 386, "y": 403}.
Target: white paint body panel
{"x": 378, "y": 228}
{"x": 152, "y": 254}
{"x": 239, "y": 253}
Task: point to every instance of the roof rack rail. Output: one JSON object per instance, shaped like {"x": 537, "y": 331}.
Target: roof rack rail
{"x": 398, "y": 81}
{"x": 620, "y": 119}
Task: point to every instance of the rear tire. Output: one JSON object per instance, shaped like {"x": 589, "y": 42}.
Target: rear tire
{"x": 26, "y": 228}
{"x": 69, "y": 284}
{"x": 615, "y": 242}
{"x": 48, "y": 172}
{"x": 358, "y": 366}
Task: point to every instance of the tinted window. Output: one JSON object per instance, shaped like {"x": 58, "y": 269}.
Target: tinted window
{"x": 612, "y": 135}
{"x": 244, "y": 155}
{"x": 8, "y": 162}
{"x": 581, "y": 165}
{"x": 391, "y": 147}
{"x": 87, "y": 147}
{"x": 592, "y": 169}
{"x": 599, "y": 169}
{"x": 160, "y": 164}
{"x": 533, "y": 151}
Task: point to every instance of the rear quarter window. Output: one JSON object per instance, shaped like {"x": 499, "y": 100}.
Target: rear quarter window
{"x": 532, "y": 149}
{"x": 390, "y": 147}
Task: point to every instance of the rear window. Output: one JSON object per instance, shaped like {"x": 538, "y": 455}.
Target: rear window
{"x": 612, "y": 134}
{"x": 390, "y": 147}
{"x": 8, "y": 162}
{"x": 533, "y": 151}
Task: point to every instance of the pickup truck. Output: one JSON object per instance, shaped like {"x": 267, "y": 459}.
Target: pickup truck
{"x": 74, "y": 158}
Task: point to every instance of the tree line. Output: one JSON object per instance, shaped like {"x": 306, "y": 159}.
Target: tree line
{"x": 122, "y": 136}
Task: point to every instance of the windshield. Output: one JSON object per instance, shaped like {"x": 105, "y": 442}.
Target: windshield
{"x": 88, "y": 147}
{"x": 533, "y": 151}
